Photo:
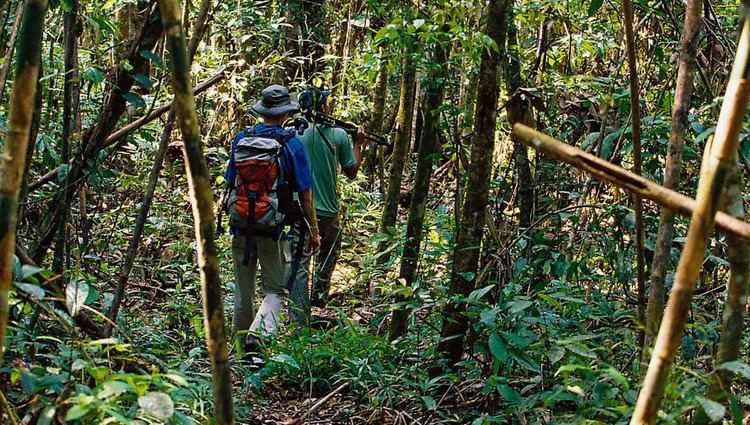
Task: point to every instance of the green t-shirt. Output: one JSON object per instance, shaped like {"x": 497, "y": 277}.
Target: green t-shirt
{"x": 324, "y": 159}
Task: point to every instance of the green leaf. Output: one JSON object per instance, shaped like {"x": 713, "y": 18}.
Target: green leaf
{"x": 75, "y": 296}
{"x": 113, "y": 389}
{"x": 479, "y": 293}
{"x": 157, "y": 404}
{"x": 714, "y": 410}
{"x": 134, "y": 99}
{"x": 555, "y": 354}
{"x": 498, "y": 348}
{"x": 77, "y": 412}
{"x": 155, "y": 60}
{"x": 519, "y": 306}
{"x": 429, "y": 402}
{"x": 143, "y": 81}
{"x": 35, "y": 291}
{"x": 467, "y": 276}
{"x": 594, "y": 6}
{"x": 94, "y": 75}
{"x": 738, "y": 367}
{"x": 47, "y": 415}
{"x": 177, "y": 379}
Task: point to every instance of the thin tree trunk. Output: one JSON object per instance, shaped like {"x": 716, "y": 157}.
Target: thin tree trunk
{"x": 400, "y": 151}
{"x": 153, "y": 179}
{"x": 21, "y": 107}
{"x": 518, "y": 112}
{"x": 70, "y": 92}
{"x": 672, "y": 169}
{"x": 201, "y": 199}
{"x": 738, "y": 255}
{"x": 635, "y": 114}
{"x": 469, "y": 234}
{"x": 378, "y": 112}
{"x": 433, "y": 99}
{"x": 11, "y": 48}
{"x": 717, "y": 162}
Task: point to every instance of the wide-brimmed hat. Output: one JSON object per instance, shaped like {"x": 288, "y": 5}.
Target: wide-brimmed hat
{"x": 275, "y": 101}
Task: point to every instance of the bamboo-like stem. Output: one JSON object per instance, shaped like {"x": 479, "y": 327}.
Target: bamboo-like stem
{"x": 153, "y": 179}
{"x": 624, "y": 179}
{"x": 717, "y": 163}
{"x": 202, "y": 204}
{"x": 12, "y": 161}
{"x": 635, "y": 113}
{"x": 672, "y": 170}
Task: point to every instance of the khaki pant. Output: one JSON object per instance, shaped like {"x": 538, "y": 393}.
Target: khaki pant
{"x": 325, "y": 263}
{"x": 274, "y": 258}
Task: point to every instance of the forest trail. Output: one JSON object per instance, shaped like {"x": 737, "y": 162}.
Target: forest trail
{"x": 530, "y": 191}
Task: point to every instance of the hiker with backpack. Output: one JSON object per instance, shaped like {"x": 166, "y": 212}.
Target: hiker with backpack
{"x": 327, "y": 148}
{"x": 267, "y": 168}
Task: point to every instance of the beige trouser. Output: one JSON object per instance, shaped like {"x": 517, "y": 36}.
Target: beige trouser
{"x": 274, "y": 258}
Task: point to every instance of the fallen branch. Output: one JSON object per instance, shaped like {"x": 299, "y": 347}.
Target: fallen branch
{"x": 135, "y": 125}
{"x": 623, "y": 179}
{"x": 317, "y": 405}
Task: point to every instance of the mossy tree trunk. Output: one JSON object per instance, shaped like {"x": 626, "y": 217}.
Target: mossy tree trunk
{"x": 433, "y": 99}
{"x": 400, "y": 150}
{"x": 469, "y": 234}
{"x": 199, "y": 181}
{"x": 518, "y": 112}
{"x": 21, "y": 109}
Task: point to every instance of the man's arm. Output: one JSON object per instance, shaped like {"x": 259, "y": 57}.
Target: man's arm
{"x": 313, "y": 243}
{"x": 359, "y": 141}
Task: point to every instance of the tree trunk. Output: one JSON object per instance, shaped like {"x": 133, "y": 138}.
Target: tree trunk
{"x": 433, "y": 99}
{"x": 11, "y": 48}
{"x": 469, "y": 234}
{"x": 716, "y": 164}
{"x": 378, "y": 112}
{"x": 70, "y": 101}
{"x": 518, "y": 111}
{"x": 121, "y": 81}
{"x": 673, "y": 167}
{"x": 153, "y": 179}
{"x": 21, "y": 108}
{"x": 635, "y": 114}
{"x": 400, "y": 150}
{"x": 738, "y": 255}
{"x": 201, "y": 199}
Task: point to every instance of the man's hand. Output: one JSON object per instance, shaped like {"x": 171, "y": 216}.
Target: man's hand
{"x": 359, "y": 138}
{"x": 313, "y": 243}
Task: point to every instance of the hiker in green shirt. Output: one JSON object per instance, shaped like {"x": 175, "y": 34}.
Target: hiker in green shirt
{"x": 327, "y": 148}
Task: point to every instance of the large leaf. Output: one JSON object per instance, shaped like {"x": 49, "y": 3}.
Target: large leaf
{"x": 75, "y": 296}
{"x": 594, "y": 6}
{"x": 34, "y": 291}
{"x": 157, "y": 404}
{"x": 498, "y": 348}
{"x": 714, "y": 410}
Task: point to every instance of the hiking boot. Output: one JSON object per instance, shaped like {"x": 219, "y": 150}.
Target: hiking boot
{"x": 252, "y": 345}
